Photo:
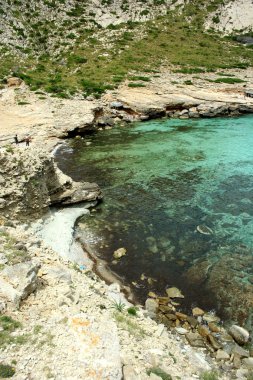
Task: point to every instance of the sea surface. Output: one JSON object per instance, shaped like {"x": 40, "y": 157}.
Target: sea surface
{"x": 165, "y": 182}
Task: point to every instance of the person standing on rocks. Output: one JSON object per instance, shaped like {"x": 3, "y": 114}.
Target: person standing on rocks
{"x": 27, "y": 140}
{"x": 16, "y": 139}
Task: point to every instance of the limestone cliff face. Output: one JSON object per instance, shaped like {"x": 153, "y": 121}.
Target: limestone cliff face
{"x": 232, "y": 16}
{"x": 31, "y": 182}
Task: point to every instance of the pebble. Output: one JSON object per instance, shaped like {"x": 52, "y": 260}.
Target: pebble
{"x": 181, "y": 330}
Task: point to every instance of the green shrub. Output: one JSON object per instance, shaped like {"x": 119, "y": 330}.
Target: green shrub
{"x": 8, "y": 324}
{"x": 6, "y": 371}
{"x": 71, "y": 36}
{"x": 190, "y": 70}
{"x": 216, "y": 19}
{"x": 159, "y": 372}
{"x": 77, "y": 59}
{"x": 209, "y": 375}
{"x": 23, "y": 103}
{"x": 132, "y": 310}
{"x": 144, "y": 79}
{"x": 94, "y": 88}
{"x": 145, "y": 12}
{"x": 9, "y": 149}
{"x": 136, "y": 85}
{"x": 229, "y": 80}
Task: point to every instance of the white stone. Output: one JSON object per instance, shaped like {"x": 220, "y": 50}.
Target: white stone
{"x": 181, "y": 330}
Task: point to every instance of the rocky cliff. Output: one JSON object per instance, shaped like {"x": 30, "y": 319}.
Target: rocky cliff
{"x": 87, "y": 47}
{"x": 49, "y": 19}
{"x": 31, "y": 182}
{"x": 232, "y": 16}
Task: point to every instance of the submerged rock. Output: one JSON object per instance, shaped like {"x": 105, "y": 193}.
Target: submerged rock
{"x": 152, "y": 245}
{"x": 174, "y": 293}
{"x": 120, "y": 252}
{"x": 204, "y": 230}
{"x": 218, "y": 275}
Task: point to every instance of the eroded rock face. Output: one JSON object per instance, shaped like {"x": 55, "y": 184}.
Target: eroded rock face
{"x": 32, "y": 182}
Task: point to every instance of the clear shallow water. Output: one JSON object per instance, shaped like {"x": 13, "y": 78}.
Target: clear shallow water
{"x": 161, "y": 179}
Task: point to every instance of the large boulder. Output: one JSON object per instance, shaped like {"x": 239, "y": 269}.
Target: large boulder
{"x": 240, "y": 335}
{"x": 79, "y": 192}
{"x": 18, "y": 281}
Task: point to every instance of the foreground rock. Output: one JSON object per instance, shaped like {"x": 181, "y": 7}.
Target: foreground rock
{"x": 204, "y": 332}
{"x": 31, "y": 182}
{"x": 18, "y": 281}
{"x": 69, "y": 328}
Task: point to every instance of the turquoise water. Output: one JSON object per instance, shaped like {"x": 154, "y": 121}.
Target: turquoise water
{"x": 162, "y": 179}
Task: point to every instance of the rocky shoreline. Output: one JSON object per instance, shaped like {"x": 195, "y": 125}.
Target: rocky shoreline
{"x": 66, "y": 311}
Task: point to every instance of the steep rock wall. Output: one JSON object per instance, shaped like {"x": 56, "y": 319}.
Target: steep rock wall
{"x": 31, "y": 182}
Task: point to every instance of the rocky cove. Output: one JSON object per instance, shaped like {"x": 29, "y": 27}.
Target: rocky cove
{"x": 78, "y": 322}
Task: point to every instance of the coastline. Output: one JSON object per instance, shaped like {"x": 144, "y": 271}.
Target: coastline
{"x": 50, "y": 136}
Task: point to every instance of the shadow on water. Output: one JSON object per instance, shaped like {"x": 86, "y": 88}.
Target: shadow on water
{"x": 160, "y": 181}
